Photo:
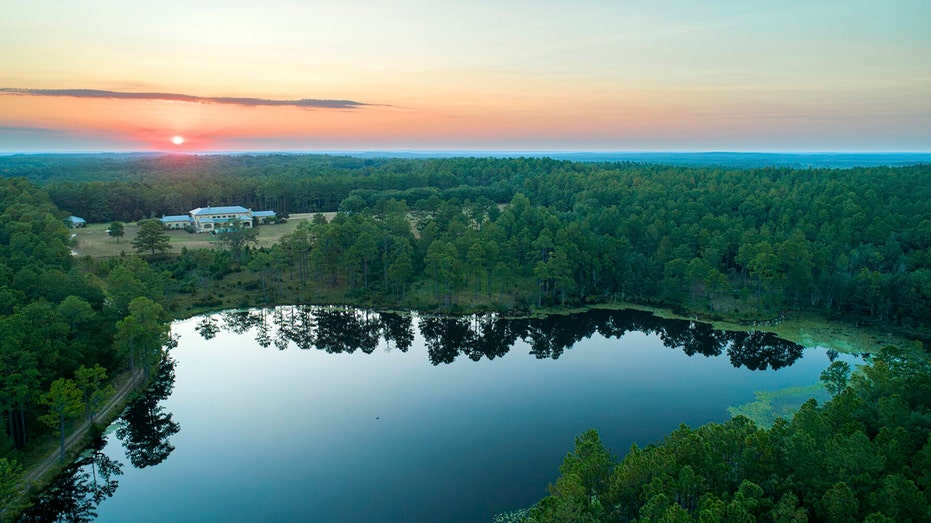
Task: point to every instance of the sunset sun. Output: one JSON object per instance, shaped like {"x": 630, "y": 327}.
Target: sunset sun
{"x": 177, "y": 140}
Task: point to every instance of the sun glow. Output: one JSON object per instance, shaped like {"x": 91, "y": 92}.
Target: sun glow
{"x": 177, "y": 140}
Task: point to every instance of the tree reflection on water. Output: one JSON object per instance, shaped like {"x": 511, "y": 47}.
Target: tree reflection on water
{"x": 146, "y": 427}
{"x": 347, "y": 329}
{"x": 74, "y": 495}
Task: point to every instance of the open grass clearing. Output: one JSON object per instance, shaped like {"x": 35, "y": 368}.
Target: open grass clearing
{"x": 95, "y": 241}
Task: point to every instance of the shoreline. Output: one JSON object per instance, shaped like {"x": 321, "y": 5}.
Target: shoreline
{"x": 806, "y": 329}
{"x": 37, "y": 476}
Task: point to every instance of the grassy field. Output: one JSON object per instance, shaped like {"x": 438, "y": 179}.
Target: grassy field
{"x": 94, "y": 241}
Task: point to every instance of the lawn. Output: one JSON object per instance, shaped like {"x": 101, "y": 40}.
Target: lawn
{"x": 94, "y": 241}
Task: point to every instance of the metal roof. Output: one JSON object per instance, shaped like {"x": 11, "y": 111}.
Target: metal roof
{"x": 232, "y": 209}
{"x": 176, "y": 218}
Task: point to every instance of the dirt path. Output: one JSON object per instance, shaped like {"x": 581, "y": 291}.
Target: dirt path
{"x": 39, "y": 469}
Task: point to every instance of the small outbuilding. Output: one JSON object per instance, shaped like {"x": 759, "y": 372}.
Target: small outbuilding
{"x": 177, "y": 221}
{"x": 76, "y": 222}
{"x": 263, "y": 217}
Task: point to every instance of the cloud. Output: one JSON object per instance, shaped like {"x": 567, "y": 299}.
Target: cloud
{"x": 305, "y": 103}
{"x": 25, "y": 130}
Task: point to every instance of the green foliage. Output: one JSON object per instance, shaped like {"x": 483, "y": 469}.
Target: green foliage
{"x": 53, "y": 315}
{"x": 513, "y": 234}
{"x": 788, "y": 510}
{"x": 76, "y": 311}
{"x": 584, "y": 477}
{"x": 236, "y": 236}
{"x": 845, "y": 461}
{"x": 55, "y": 322}
{"x": 839, "y": 503}
{"x": 132, "y": 278}
{"x": 116, "y": 230}
{"x": 590, "y": 462}
{"x": 835, "y": 376}
{"x": 151, "y": 237}
{"x": 142, "y": 335}
{"x": 733, "y": 242}
{"x": 64, "y": 402}
{"x": 62, "y": 399}
{"x": 900, "y": 499}
{"x": 94, "y": 390}
{"x": 694, "y": 238}
{"x": 10, "y": 472}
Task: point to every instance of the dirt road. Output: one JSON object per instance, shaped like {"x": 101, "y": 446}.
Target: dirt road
{"x": 39, "y": 469}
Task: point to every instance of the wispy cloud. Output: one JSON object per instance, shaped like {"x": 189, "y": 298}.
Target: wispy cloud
{"x": 23, "y": 130}
{"x": 305, "y": 103}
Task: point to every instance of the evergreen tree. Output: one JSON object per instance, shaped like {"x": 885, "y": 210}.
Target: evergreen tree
{"x": 116, "y": 230}
{"x": 64, "y": 402}
{"x": 151, "y": 237}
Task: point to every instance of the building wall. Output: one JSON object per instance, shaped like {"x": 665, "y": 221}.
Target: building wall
{"x": 209, "y": 226}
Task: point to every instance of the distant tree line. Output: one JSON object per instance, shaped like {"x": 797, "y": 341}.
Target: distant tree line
{"x": 746, "y": 243}
{"x": 524, "y": 232}
{"x": 104, "y": 188}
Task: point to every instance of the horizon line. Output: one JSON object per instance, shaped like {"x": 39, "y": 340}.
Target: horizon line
{"x": 460, "y": 151}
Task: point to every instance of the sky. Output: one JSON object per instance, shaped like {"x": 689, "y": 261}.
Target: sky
{"x": 503, "y": 75}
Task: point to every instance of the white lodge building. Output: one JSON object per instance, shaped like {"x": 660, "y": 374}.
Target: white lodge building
{"x": 209, "y": 219}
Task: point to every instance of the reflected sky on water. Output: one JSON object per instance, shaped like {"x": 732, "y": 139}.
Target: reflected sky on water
{"x": 338, "y": 414}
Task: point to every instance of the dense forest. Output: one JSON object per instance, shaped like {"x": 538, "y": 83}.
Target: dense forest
{"x": 63, "y": 329}
{"x": 520, "y": 233}
{"x": 510, "y": 235}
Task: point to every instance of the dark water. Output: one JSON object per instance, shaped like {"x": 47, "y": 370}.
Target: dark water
{"x": 338, "y": 414}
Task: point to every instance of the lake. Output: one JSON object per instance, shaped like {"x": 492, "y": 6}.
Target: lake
{"x": 346, "y": 415}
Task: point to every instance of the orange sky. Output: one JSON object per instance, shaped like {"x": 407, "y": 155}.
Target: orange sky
{"x": 587, "y": 75}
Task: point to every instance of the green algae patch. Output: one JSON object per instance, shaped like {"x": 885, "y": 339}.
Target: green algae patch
{"x": 782, "y": 403}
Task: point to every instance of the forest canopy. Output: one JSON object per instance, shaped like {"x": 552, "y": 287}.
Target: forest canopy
{"x": 863, "y": 456}
{"x": 60, "y": 326}
{"x": 516, "y": 233}
{"x": 509, "y": 235}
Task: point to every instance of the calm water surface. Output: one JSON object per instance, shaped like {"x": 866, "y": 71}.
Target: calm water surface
{"x": 338, "y": 414}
